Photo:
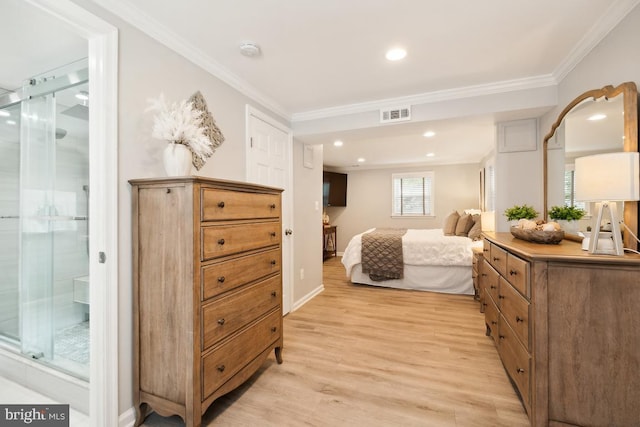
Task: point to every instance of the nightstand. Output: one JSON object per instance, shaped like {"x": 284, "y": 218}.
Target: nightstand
{"x": 330, "y": 242}
{"x": 475, "y": 272}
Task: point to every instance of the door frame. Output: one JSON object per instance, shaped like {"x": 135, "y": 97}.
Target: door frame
{"x": 287, "y": 199}
{"x": 102, "y": 39}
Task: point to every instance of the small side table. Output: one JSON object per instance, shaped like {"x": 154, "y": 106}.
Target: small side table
{"x": 330, "y": 242}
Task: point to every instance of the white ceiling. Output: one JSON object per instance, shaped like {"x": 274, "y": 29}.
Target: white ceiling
{"x": 324, "y": 58}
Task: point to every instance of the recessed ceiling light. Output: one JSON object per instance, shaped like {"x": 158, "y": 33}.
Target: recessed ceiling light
{"x": 11, "y": 122}
{"x": 597, "y": 117}
{"x": 429, "y": 134}
{"x": 249, "y": 49}
{"x": 361, "y": 160}
{"x": 4, "y": 113}
{"x": 396, "y": 54}
{"x": 337, "y": 143}
{"x": 430, "y": 154}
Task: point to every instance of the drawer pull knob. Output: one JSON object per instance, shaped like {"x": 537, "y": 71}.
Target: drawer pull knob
{"x": 513, "y": 273}
{"x": 484, "y": 304}
{"x": 495, "y": 258}
{"x": 221, "y": 204}
{"x": 221, "y": 279}
{"x": 221, "y": 368}
{"x": 272, "y": 205}
{"x": 501, "y": 337}
{"x": 500, "y": 296}
{"x": 221, "y": 321}
{"x": 484, "y": 274}
{"x": 273, "y": 262}
{"x": 273, "y": 329}
{"x": 493, "y": 322}
{"x": 519, "y": 319}
{"x": 494, "y": 287}
{"x": 520, "y": 371}
{"x": 274, "y": 294}
{"x": 221, "y": 241}
{"x": 168, "y": 190}
{"x": 485, "y": 250}
{"x": 273, "y": 234}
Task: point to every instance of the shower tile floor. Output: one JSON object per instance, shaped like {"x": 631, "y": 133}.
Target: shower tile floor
{"x": 71, "y": 349}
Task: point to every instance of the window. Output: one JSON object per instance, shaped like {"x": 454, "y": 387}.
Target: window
{"x": 570, "y": 189}
{"x": 412, "y": 194}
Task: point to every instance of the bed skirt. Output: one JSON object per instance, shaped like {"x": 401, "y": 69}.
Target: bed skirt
{"x": 435, "y": 278}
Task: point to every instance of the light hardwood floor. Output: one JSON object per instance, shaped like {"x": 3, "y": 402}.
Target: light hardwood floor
{"x": 366, "y": 356}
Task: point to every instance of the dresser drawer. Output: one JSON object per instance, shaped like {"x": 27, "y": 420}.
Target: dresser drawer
{"x": 223, "y": 205}
{"x": 517, "y": 273}
{"x": 227, "y": 275}
{"x": 491, "y": 281}
{"x": 486, "y": 249}
{"x": 218, "y": 241}
{"x": 498, "y": 259}
{"x": 225, "y": 361}
{"x": 491, "y": 318}
{"x": 516, "y": 359}
{"x": 226, "y": 315}
{"x": 515, "y": 309}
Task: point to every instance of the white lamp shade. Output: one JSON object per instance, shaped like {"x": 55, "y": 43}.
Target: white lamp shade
{"x": 610, "y": 177}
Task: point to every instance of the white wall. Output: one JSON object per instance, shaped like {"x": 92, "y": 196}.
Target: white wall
{"x": 307, "y": 228}
{"x": 456, "y": 187}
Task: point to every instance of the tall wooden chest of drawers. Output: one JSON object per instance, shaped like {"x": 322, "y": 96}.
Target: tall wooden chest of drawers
{"x": 566, "y": 327}
{"x": 207, "y": 290}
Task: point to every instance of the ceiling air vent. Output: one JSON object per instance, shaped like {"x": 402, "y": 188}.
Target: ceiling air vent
{"x": 395, "y": 114}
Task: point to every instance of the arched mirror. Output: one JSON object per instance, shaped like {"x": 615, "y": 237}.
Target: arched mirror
{"x": 598, "y": 121}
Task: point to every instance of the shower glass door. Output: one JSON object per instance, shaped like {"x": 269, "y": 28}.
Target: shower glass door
{"x": 37, "y": 206}
{"x": 44, "y": 220}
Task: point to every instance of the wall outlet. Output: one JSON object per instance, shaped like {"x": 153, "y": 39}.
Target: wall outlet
{"x": 302, "y": 274}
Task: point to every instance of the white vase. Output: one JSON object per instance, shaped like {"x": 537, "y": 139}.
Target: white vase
{"x": 568, "y": 226}
{"x": 177, "y": 159}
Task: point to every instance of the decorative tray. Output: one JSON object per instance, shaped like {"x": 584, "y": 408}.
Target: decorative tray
{"x": 538, "y": 236}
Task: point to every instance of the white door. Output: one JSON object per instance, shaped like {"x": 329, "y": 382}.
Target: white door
{"x": 269, "y": 163}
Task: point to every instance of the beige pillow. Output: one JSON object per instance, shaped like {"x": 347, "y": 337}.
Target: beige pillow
{"x": 476, "y": 230}
{"x": 450, "y": 222}
{"x": 465, "y": 222}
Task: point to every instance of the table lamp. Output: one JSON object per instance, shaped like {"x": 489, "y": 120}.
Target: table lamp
{"x": 605, "y": 179}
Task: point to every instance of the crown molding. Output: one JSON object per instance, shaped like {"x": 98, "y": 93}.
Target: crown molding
{"x": 166, "y": 36}
{"x": 607, "y": 22}
{"x": 430, "y": 97}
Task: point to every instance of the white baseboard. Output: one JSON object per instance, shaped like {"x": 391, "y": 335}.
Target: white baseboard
{"x": 127, "y": 418}
{"x": 302, "y": 301}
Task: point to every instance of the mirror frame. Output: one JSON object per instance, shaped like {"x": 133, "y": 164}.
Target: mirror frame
{"x": 629, "y": 91}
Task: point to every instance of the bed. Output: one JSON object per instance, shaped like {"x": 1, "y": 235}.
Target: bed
{"x": 432, "y": 261}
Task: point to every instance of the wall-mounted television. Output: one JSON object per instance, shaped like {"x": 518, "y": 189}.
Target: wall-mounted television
{"x": 334, "y": 189}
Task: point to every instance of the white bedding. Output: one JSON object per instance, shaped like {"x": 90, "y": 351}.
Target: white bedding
{"x": 422, "y": 248}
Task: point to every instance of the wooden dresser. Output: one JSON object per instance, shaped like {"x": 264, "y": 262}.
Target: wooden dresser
{"x": 567, "y": 329}
{"x": 207, "y": 290}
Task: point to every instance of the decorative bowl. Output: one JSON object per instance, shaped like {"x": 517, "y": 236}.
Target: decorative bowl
{"x": 538, "y": 236}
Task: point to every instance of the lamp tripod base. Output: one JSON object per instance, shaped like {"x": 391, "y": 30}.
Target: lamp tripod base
{"x": 618, "y": 248}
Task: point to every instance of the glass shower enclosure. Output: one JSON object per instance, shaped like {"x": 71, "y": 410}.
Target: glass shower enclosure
{"x": 44, "y": 219}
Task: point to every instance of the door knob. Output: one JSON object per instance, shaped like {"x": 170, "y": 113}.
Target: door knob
{"x": 288, "y": 232}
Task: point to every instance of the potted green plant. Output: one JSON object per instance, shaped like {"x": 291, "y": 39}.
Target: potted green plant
{"x": 516, "y": 213}
{"x": 567, "y": 217}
